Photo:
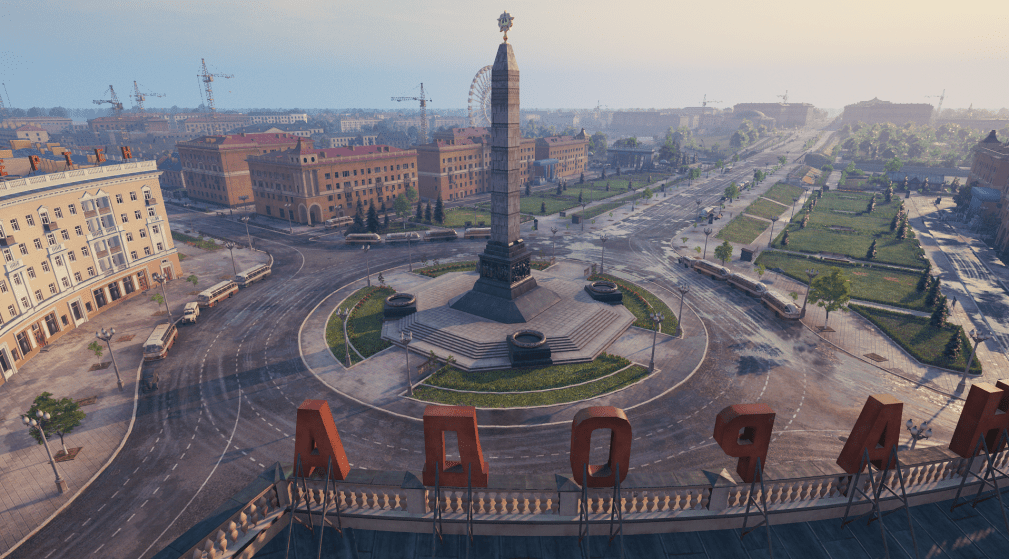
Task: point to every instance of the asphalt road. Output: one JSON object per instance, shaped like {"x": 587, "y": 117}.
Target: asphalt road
{"x": 226, "y": 405}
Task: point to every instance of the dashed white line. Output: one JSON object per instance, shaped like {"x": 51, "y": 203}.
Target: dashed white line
{"x": 97, "y": 550}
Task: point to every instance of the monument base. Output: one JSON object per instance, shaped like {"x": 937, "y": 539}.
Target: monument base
{"x": 507, "y": 310}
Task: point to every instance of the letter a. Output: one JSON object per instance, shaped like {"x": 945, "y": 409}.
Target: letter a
{"x": 316, "y": 440}
{"x": 984, "y": 413}
{"x": 877, "y": 430}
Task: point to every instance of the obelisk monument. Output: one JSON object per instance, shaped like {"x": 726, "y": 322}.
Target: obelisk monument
{"x": 506, "y": 290}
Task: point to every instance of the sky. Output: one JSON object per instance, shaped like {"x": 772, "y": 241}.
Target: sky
{"x": 572, "y": 54}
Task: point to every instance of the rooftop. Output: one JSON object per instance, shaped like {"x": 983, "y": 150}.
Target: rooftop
{"x": 16, "y": 188}
{"x": 240, "y": 140}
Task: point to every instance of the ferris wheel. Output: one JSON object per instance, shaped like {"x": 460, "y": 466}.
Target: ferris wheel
{"x": 479, "y": 98}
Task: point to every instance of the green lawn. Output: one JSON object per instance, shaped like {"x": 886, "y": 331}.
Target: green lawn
{"x": 197, "y": 242}
{"x": 783, "y": 193}
{"x": 467, "y": 266}
{"x": 457, "y": 217}
{"x": 334, "y": 327}
{"x": 365, "y": 326}
{"x": 521, "y": 380}
{"x": 742, "y": 229}
{"x": 922, "y": 340}
{"x": 601, "y": 209}
{"x": 602, "y": 386}
{"x": 878, "y": 284}
{"x": 766, "y": 209}
{"x": 641, "y": 302}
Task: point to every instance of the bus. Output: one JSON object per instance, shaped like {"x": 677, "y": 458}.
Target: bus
{"x": 362, "y": 238}
{"x": 247, "y": 277}
{"x": 402, "y": 237}
{"x": 710, "y": 269}
{"x": 751, "y": 286}
{"x": 781, "y": 305}
{"x": 338, "y": 222}
{"x": 217, "y": 293}
{"x": 443, "y": 235}
{"x": 476, "y": 233}
{"x": 160, "y": 341}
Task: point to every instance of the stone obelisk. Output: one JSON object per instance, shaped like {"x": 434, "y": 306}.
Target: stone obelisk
{"x": 506, "y": 290}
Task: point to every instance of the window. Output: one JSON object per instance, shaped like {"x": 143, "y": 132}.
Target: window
{"x": 8, "y": 257}
{"x": 125, "y": 218}
{"x": 59, "y": 260}
{"x": 147, "y": 251}
{"x": 30, "y": 220}
{"x": 59, "y": 212}
{"x": 133, "y": 196}
{"x": 77, "y": 276}
{"x": 12, "y": 310}
{"x": 14, "y": 224}
{"x": 72, "y": 208}
{"x": 3, "y": 286}
{"x": 51, "y": 239}
{"x": 129, "y": 237}
{"x": 78, "y": 230}
{"x": 38, "y": 243}
{"x": 150, "y": 211}
{"x": 138, "y": 215}
{"x": 160, "y": 247}
{"x": 71, "y": 256}
{"x": 91, "y": 271}
{"x": 119, "y": 198}
{"x": 133, "y": 254}
{"x": 84, "y": 250}
{"x": 38, "y": 295}
{"x": 143, "y": 233}
{"x": 45, "y": 266}
{"x": 65, "y": 234}
{"x": 23, "y": 248}
{"x": 17, "y": 279}
{"x": 31, "y": 272}
{"x": 66, "y": 283}
{"x": 52, "y": 288}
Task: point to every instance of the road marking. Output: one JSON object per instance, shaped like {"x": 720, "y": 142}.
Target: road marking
{"x": 135, "y": 471}
{"x": 131, "y": 517}
{"x": 112, "y": 497}
{"x": 145, "y": 502}
{"x": 262, "y": 466}
{"x": 117, "y": 530}
{"x": 50, "y": 553}
{"x": 155, "y": 490}
{"x": 183, "y": 456}
{"x": 145, "y": 459}
{"x": 189, "y": 445}
{"x": 175, "y": 466}
{"x": 151, "y": 450}
{"x": 97, "y": 550}
{"x": 70, "y": 536}
{"x": 251, "y": 458}
{"x": 86, "y": 521}
{"x": 125, "y": 482}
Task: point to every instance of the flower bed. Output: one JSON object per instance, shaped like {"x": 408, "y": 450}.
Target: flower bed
{"x": 919, "y": 338}
{"x": 519, "y": 380}
{"x": 641, "y": 302}
{"x": 467, "y": 266}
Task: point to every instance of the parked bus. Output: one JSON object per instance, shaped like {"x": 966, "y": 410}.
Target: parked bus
{"x": 402, "y": 237}
{"x": 362, "y": 239}
{"x": 443, "y": 235}
{"x": 160, "y": 341}
{"x": 476, "y": 233}
{"x": 751, "y": 286}
{"x": 217, "y": 293}
{"x": 247, "y": 277}
{"x": 781, "y": 305}
{"x": 338, "y": 222}
{"x": 710, "y": 269}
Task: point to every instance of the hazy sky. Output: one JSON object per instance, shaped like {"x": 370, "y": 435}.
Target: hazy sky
{"x": 572, "y": 54}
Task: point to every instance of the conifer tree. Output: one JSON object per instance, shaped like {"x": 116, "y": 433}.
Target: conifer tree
{"x": 923, "y": 282}
{"x": 871, "y": 253}
{"x": 420, "y": 210}
{"x": 427, "y": 213}
{"x": 372, "y": 222}
{"x": 933, "y": 293}
{"x": 439, "y": 211}
{"x": 940, "y": 314}
{"x": 954, "y": 347}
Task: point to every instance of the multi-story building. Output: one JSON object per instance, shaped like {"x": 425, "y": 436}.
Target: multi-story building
{"x": 356, "y": 124}
{"x": 875, "y": 111}
{"x": 352, "y": 139}
{"x": 74, "y": 244}
{"x": 990, "y": 169}
{"x": 457, "y": 163}
{"x": 785, "y": 115}
{"x": 309, "y": 185}
{"x": 130, "y": 123}
{"x": 215, "y": 168}
{"x": 32, "y": 133}
{"x": 298, "y": 129}
{"x": 571, "y": 153}
{"x": 277, "y": 118}
{"x": 215, "y": 124}
{"x": 51, "y": 124}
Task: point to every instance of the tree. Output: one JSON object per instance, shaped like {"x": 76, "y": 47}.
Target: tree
{"x": 420, "y": 210}
{"x": 559, "y": 189}
{"x": 954, "y": 347}
{"x": 804, "y": 222}
{"x": 439, "y": 211}
{"x": 888, "y": 193}
{"x": 543, "y": 208}
{"x": 940, "y": 314}
{"x": 401, "y": 206}
{"x": 894, "y": 165}
{"x": 933, "y": 292}
{"x": 871, "y": 253}
{"x": 193, "y": 279}
{"x": 647, "y": 194}
{"x": 830, "y": 292}
{"x": 902, "y": 229}
{"x": 359, "y": 219}
{"x": 411, "y": 193}
{"x": 732, "y": 191}
{"x": 895, "y": 221}
{"x": 579, "y": 196}
{"x": 427, "y": 213}
{"x": 630, "y": 186}
{"x": 582, "y": 179}
{"x": 64, "y": 416}
{"x": 97, "y": 348}
{"x": 784, "y": 238}
{"x": 723, "y": 252}
{"x": 872, "y": 205}
{"x": 761, "y": 270}
{"x": 923, "y": 282}
{"x": 782, "y": 159}
{"x": 158, "y": 298}
{"x": 603, "y": 174}
{"x": 58, "y": 112}
{"x": 36, "y": 111}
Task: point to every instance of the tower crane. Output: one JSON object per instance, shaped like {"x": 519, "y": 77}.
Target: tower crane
{"x": 207, "y": 78}
{"x": 784, "y": 98}
{"x": 138, "y": 98}
{"x": 117, "y": 107}
{"x": 705, "y": 102}
{"x": 423, "y": 112}
{"x": 938, "y": 109}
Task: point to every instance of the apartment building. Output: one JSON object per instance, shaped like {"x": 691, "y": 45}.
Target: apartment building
{"x": 308, "y": 185}
{"x": 570, "y": 152}
{"x": 277, "y": 118}
{"x": 457, "y": 163}
{"x": 73, "y": 245}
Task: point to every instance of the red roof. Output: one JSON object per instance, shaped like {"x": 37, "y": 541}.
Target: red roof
{"x": 30, "y": 128}
{"x": 235, "y": 140}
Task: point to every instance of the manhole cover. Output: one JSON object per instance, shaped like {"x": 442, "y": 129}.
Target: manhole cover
{"x": 126, "y": 337}
{"x": 875, "y": 357}
{"x": 87, "y": 401}
{"x": 100, "y": 366}
{"x": 827, "y": 329}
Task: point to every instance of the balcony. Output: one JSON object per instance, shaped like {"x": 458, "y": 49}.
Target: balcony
{"x": 116, "y": 249}
{"x": 88, "y": 214}
{"x": 50, "y": 227}
{"x": 150, "y": 201}
{"x": 102, "y": 254}
{"x": 104, "y": 210}
{"x": 7, "y": 241}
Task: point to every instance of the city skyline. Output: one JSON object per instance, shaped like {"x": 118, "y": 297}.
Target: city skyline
{"x": 313, "y": 55}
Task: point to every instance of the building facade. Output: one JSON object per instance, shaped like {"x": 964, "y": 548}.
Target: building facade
{"x": 457, "y": 163}
{"x": 990, "y": 169}
{"x": 51, "y": 124}
{"x": 215, "y": 168}
{"x": 308, "y": 185}
{"x": 130, "y": 123}
{"x": 571, "y": 153}
{"x": 355, "y": 124}
{"x": 875, "y": 111}
{"x": 219, "y": 124}
{"x": 785, "y": 115}
{"x": 277, "y": 118}
{"x": 74, "y": 244}
{"x": 32, "y": 133}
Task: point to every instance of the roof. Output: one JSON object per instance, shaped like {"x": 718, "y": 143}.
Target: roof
{"x": 991, "y": 139}
{"x": 985, "y": 194}
{"x": 324, "y": 154}
{"x": 33, "y": 128}
{"x": 241, "y": 140}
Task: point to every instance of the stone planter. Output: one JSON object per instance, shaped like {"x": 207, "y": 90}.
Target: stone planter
{"x": 604, "y": 291}
{"x": 528, "y": 348}
{"x": 399, "y": 305}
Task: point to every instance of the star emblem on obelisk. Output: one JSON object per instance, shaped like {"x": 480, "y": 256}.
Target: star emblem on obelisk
{"x": 504, "y": 23}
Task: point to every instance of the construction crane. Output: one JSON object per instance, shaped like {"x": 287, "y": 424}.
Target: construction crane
{"x": 207, "y": 78}
{"x": 117, "y": 107}
{"x": 423, "y": 112}
{"x": 705, "y": 102}
{"x": 938, "y": 109}
{"x": 138, "y": 98}
{"x": 784, "y": 98}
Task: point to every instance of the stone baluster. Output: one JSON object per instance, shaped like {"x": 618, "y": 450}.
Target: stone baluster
{"x": 233, "y": 532}
{"x": 208, "y": 549}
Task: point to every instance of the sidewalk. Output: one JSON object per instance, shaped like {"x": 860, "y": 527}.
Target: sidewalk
{"x": 64, "y": 368}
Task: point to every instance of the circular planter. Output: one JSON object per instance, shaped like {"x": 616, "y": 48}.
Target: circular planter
{"x": 400, "y": 300}
{"x": 527, "y": 339}
{"x": 604, "y": 291}
{"x": 528, "y": 348}
{"x": 603, "y": 286}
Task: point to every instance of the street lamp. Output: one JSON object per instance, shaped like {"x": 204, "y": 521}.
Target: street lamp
{"x": 247, "y": 235}
{"x": 367, "y": 259}
{"x": 161, "y": 279}
{"x": 657, "y": 319}
{"x": 409, "y": 250}
{"x": 684, "y": 288}
{"x": 918, "y": 432}
{"x": 106, "y": 336}
{"x": 231, "y": 247}
{"x": 406, "y": 338}
{"x": 553, "y": 239}
{"x": 61, "y": 484}
{"x": 343, "y": 313}
{"x": 581, "y": 218}
{"x": 288, "y": 211}
{"x": 811, "y": 273}
{"x": 794, "y": 200}
{"x": 978, "y": 337}
{"x": 770, "y": 241}
{"x": 707, "y": 231}
{"x": 602, "y": 264}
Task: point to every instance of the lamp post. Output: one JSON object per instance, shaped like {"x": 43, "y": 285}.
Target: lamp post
{"x": 161, "y": 279}
{"x": 581, "y": 218}
{"x": 771, "y": 240}
{"x": 231, "y": 247}
{"x": 684, "y": 288}
{"x": 657, "y": 319}
{"x": 367, "y": 259}
{"x": 287, "y": 208}
{"x": 602, "y": 263}
{"x": 553, "y": 239}
{"x": 343, "y": 313}
{"x": 707, "y": 231}
{"x": 918, "y": 432}
{"x": 811, "y": 273}
{"x": 406, "y": 338}
{"x": 61, "y": 484}
{"x": 978, "y": 337}
{"x": 243, "y": 198}
{"x": 409, "y": 250}
{"x": 106, "y": 336}
{"x": 794, "y": 200}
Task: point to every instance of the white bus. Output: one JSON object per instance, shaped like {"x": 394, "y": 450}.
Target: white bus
{"x": 247, "y": 277}
{"x": 402, "y": 237}
{"x": 160, "y": 341}
{"x": 338, "y": 222}
{"x": 362, "y": 239}
{"x": 443, "y": 235}
{"x": 781, "y": 305}
{"x": 217, "y": 293}
{"x": 710, "y": 269}
{"x": 476, "y": 233}
{"x": 751, "y": 286}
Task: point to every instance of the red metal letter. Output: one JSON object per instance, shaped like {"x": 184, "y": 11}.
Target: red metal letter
{"x": 316, "y": 440}
{"x": 744, "y": 431}
{"x": 984, "y": 413}
{"x": 876, "y": 430}
{"x": 462, "y": 420}
{"x": 585, "y": 422}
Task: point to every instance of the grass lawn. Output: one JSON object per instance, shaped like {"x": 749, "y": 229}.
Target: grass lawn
{"x": 457, "y": 217}
{"x": 922, "y": 340}
{"x": 601, "y": 209}
{"x": 602, "y": 386}
{"x": 783, "y": 193}
{"x": 467, "y": 266}
{"x": 334, "y": 329}
{"x": 365, "y": 327}
{"x": 640, "y": 302}
{"x": 766, "y": 209}
{"x": 880, "y": 285}
{"x": 742, "y": 229}
{"x": 521, "y": 380}
{"x": 197, "y": 242}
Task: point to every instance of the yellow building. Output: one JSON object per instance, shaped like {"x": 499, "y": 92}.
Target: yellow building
{"x": 73, "y": 245}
